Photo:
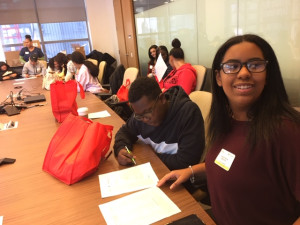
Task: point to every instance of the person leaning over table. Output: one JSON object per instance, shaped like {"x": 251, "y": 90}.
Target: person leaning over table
{"x": 253, "y": 162}
{"x": 7, "y": 73}
{"x": 56, "y": 70}
{"x": 170, "y": 122}
{"x": 29, "y": 49}
{"x": 33, "y": 67}
{"x": 83, "y": 76}
{"x": 183, "y": 74}
{"x": 71, "y": 69}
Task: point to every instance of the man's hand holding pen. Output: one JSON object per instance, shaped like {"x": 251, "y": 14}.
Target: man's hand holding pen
{"x": 125, "y": 157}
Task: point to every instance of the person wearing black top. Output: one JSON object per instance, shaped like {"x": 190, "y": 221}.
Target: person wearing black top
{"x": 27, "y": 51}
{"x": 170, "y": 122}
{"x": 6, "y": 73}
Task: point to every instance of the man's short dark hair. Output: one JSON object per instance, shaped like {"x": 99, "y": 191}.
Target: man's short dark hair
{"x": 34, "y": 57}
{"x": 143, "y": 86}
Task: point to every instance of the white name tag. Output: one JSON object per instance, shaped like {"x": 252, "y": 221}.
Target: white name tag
{"x": 225, "y": 159}
{"x": 26, "y": 53}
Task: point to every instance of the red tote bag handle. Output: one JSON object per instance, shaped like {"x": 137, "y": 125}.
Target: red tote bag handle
{"x": 82, "y": 94}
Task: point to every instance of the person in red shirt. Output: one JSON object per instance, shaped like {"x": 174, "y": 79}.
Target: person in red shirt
{"x": 183, "y": 74}
{"x": 253, "y": 161}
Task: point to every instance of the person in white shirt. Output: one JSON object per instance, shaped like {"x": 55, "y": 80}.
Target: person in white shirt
{"x": 33, "y": 67}
{"x": 88, "y": 82}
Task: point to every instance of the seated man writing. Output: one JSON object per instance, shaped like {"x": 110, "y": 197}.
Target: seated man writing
{"x": 170, "y": 122}
{"x": 33, "y": 67}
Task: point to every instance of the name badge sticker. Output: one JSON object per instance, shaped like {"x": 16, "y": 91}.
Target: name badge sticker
{"x": 26, "y": 53}
{"x": 225, "y": 159}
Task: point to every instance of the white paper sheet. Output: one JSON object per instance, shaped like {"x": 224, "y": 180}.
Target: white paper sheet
{"x": 160, "y": 67}
{"x": 28, "y": 78}
{"x": 100, "y": 114}
{"x": 140, "y": 208}
{"x": 7, "y": 126}
{"x": 127, "y": 180}
{"x": 1, "y": 220}
{"x": 18, "y": 83}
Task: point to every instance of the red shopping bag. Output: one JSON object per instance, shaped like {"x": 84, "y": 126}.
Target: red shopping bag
{"x": 76, "y": 149}
{"x": 122, "y": 93}
{"x": 63, "y": 98}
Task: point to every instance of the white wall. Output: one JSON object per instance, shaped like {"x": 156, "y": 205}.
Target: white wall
{"x": 102, "y": 24}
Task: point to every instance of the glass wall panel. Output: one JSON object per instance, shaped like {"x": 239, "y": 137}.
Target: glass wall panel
{"x": 162, "y": 24}
{"x": 216, "y": 22}
{"x": 203, "y": 25}
{"x": 278, "y": 22}
{"x": 183, "y": 25}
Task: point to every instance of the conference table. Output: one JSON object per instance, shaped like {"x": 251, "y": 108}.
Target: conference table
{"x": 28, "y": 195}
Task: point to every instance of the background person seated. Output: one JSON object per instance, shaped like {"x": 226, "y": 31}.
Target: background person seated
{"x": 71, "y": 69}
{"x": 54, "y": 72}
{"x": 165, "y": 55}
{"x": 29, "y": 49}
{"x": 183, "y": 74}
{"x": 83, "y": 76}
{"x": 152, "y": 57}
{"x": 170, "y": 122}
{"x": 6, "y": 73}
{"x": 33, "y": 67}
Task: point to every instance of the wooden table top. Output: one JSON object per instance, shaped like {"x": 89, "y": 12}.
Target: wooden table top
{"x": 29, "y": 195}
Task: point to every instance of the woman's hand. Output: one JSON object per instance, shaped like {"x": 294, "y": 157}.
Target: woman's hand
{"x": 180, "y": 176}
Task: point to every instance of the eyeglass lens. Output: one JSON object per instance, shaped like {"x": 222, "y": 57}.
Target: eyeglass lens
{"x": 255, "y": 66}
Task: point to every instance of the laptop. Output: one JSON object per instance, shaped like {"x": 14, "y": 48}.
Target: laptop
{"x": 33, "y": 99}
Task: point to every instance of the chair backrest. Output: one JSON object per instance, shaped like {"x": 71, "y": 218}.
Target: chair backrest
{"x": 206, "y": 86}
{"x": 94, "y": 61}
{"x": 102, "y": 67}
{"x": 200, "y": 76}
{"x": 131, "y": 74}
{"x": 203, "y": 100}
{"x": 44, "y": 63}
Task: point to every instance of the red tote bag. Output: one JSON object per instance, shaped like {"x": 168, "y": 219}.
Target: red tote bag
{"x": 76, "y": 149}
{"x": 63, "y": 98}
{"x": 122, "y": 93}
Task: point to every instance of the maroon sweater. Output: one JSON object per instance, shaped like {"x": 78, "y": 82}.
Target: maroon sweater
{"x": 262, "y": 185}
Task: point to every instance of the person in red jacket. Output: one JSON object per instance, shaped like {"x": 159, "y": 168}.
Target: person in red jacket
{"x": 183, "y": 74}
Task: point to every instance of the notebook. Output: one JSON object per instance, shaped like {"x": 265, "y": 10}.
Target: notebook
{"x": 33, "y": 99}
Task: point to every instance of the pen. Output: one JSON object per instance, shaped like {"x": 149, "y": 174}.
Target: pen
{"x": 130, "y": 153}
{"x": 108, "y": 155}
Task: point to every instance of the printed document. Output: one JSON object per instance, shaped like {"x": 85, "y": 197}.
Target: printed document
{"x": 140, "y": 208}
{"x": 127, "y": 180}
{"x": 160, "y": 68}
{"x": 100, "y": 114}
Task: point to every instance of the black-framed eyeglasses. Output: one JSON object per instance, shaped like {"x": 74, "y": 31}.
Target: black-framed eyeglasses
{"x": 146, "y": 115}
{"x": 253, "y": 66}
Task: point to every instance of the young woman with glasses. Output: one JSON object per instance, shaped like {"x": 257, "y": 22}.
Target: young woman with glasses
{"x": 253, "y": 160}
